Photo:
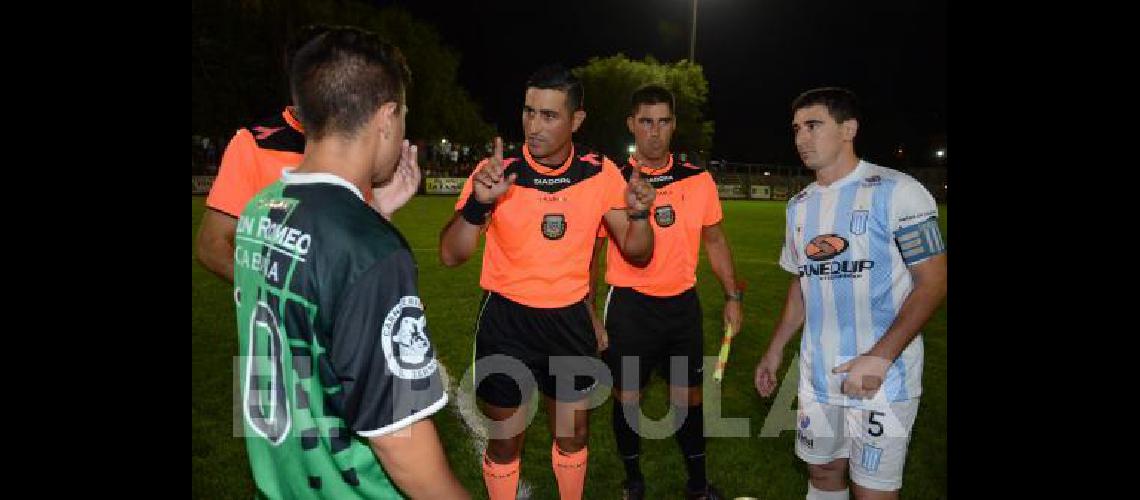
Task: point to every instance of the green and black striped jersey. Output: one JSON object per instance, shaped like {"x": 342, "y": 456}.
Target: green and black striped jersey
{"x": 333, "y": 339}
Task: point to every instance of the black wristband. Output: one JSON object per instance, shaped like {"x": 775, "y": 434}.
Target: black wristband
{"x": 637, "y": 214}
{"x": 475, "y": 212}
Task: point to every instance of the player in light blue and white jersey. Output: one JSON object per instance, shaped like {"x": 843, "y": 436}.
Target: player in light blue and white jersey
{"x": 870, "y": 266}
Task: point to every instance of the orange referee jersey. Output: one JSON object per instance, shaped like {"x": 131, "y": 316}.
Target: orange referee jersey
{"x": 541, "y": 231}
{"x": 254, "y": 159}
{"x": 686, "y": 202}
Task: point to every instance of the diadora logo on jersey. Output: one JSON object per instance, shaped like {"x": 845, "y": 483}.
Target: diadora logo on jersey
{"x": 553, "y": 226}
{"x": 264, "y": 132}
{"x": 825, "y": 246}
{"x": 552, "y": 181}
{"x": 404, "y": 338}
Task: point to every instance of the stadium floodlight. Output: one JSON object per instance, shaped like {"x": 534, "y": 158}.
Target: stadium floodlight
{"x": 631, "y": 148}
{"x": 941, "y": 153}
{"x": 693, "y": 36}
{"x": 767, "y": 173}
{"x": 443, "y": 141}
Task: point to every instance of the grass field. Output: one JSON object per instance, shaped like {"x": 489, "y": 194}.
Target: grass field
{"x": 763, "y": 467}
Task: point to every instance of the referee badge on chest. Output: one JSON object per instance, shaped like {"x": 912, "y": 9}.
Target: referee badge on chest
{"x": 553, "y": 226}
{"x": 664, "y": 215}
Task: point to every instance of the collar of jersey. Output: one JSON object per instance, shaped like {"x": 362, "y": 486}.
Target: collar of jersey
{"x": 292, "y": 120}
{"x": 650, "y": 171}
{"x": 859, "y": 171}
{"x": 544, "y": 170}
{"x": 290, "y": 178}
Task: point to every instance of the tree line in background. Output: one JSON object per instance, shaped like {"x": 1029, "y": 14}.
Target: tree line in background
{"x": 239, "y": 75}
{"x": 238, "y": 56}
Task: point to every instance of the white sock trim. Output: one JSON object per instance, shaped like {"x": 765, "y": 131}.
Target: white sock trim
{"x": 814, "y": 494}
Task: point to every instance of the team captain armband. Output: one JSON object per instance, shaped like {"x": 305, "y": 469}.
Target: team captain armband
{"x": 920, "y": 241}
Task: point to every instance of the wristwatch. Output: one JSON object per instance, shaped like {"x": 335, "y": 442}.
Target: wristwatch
{"x": 637, "y": 214}
{"x": 737, "y": 296}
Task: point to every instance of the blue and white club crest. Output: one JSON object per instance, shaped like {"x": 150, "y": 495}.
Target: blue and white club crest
{"x": 859, "y": 221}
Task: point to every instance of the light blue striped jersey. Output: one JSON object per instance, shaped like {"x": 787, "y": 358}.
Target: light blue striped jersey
{"x": 850, "y": 243}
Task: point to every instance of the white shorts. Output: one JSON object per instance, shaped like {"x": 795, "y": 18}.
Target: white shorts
{"x": 874, "y": 439}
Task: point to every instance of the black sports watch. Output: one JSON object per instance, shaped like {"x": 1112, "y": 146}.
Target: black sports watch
{"x": 638, "y": 214}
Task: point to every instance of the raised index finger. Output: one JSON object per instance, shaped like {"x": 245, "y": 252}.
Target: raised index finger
{"x": 496, "y": 165}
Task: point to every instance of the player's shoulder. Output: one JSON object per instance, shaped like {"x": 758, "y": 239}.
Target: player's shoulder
{"x": 340, "y": 215}
{"x": 367, "y": 229}
{"x": 276, "y": 119}
{"x": 590, "y": 161}
{"x": 273, "y": 132}
{"x": 877, "y": 175}
{"x": 593, "y": 158}
{"x": 906, "y": 193}
{"x": 689, "y": 166}
{"x": 800, "y": 197}
{"x": 266, "y": 199}
{"x": 688, "y": 162}
{"x": 365, "y": 240}
{"x": 356, "y": 243}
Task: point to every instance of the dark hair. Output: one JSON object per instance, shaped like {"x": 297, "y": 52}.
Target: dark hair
{"x": 651, "y": 94}
{"x": 841, "y": 103}
{"x": 342, "y": 76}
{"x": 556, "y": 77}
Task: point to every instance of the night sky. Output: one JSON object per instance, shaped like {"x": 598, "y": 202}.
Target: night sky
{"x": 757, "y": 55}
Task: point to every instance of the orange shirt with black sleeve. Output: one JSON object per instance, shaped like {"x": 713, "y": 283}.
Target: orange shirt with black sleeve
{"x": 686, "y": 202}
{"x": 254, "y": 159}
{"x": 540, "y": 234}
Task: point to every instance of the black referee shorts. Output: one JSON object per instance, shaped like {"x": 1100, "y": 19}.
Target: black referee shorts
{"x": 544, "y": 346}
{"x": 651, "y": 331}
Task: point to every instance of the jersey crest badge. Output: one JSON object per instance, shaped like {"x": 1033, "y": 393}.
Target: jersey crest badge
{"x": 664, "y": 216}
{"x": 553, "y": 226}
{"x": 859, "y": 221}
{"x": 405, "y": 342}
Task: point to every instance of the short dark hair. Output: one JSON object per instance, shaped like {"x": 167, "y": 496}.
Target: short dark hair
{"x": 342, "y": 76}
{"x": 556, "y": 77}
{"x": 651, "y": 94}
{"x": 841, "y": 103}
